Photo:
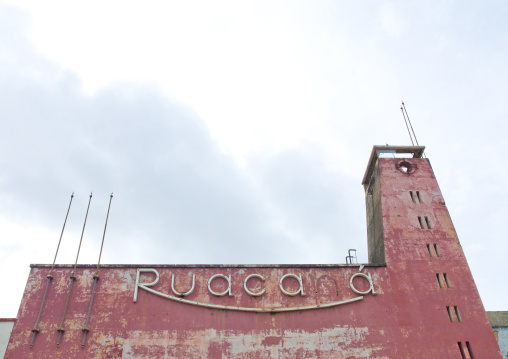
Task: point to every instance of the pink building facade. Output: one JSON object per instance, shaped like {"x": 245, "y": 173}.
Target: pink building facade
{"x": 416, "y": 298}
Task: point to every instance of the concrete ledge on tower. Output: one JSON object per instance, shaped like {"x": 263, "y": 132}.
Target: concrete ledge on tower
{"x": 416, "y": 151}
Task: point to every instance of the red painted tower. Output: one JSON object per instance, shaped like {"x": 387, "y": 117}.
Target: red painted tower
{"x": 415, "y": 298}
{"x": 438, "y": 308}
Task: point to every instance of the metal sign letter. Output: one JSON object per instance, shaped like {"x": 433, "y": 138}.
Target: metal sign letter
{"x": 366, "y": 276}
{"x": 144, "y": 285}
{"x": 227, "y": 291}
{"x": 186, "y": 293}
{"x": 298, "y": 278}
{"x": 253, "y": 293}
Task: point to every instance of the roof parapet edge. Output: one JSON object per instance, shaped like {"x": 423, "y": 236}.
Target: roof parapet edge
{"x": 210, "y": 265}
{"x": 417, "y": 152}
{"x": 498, "y": 318}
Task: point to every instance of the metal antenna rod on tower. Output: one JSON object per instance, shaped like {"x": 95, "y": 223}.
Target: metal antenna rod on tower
{"x": 86, "y": 329}
{"x": 409, "y": 120}
{"x": 36, "y": 330}
{"x": 61, "y": 329}
{"x": 407, "y": 126}
{"x": 404, "y": 106}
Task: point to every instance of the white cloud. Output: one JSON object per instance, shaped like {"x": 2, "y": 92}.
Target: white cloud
{"x": 161, "y": 103}
{"x": 390, "y": 19}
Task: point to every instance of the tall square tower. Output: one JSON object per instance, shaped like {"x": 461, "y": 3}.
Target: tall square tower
{"x": 410, "y": 230}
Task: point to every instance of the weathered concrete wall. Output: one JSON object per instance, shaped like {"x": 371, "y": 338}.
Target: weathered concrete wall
{"x": 5, "y": 333}
{"x": 498, "y": 319}
{"x": 375, "y": 235}
{"x": 502, "y": 340}
{"x": 156, "y": 327}
{"x": 499, "y": 322}
{"x": 376, "y": 326}
{"x": 411, "y": 310}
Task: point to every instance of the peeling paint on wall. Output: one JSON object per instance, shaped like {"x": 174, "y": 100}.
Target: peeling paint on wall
{"x": 402, "y": 313}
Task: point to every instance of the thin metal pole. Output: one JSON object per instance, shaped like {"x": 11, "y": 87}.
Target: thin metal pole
{"x": 61, "y": 329}
{"x": 407, "y": 126}
{"x": 96, "y": 277}
{"x": 36, "y": 329}
{"x": 81, "y": 239}
{"x": 403, "y": 105}
{"x": 86, "y": 329}
{"x": 60, "y": 241}
{"x": 104, "y": 234}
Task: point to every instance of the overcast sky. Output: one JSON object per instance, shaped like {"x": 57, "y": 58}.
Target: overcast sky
{"x": 239, "y": 131}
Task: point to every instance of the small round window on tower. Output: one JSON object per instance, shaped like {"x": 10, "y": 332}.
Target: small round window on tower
{"x": 406, "y": 167}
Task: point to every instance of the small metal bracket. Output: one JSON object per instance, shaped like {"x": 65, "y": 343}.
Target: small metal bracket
{"x": 351, "y": 258}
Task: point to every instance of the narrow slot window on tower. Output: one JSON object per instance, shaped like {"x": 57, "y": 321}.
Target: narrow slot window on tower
{"x": 418, "y": 195}
{"x": 461, "y": 348}
{"x": 448, "y": 309}
{"x": 412, "y": 196}
{"x": 439, "y": 280}
{"x": 469, "y": 350}
{"x": 446, "y": 280}
{"x": 421, "y": 222}
{"x": 428, "y": 222}
{"x": 437, "y": 250}
{"x": 458, "y": 314}
{"x": 429, "y": 249}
